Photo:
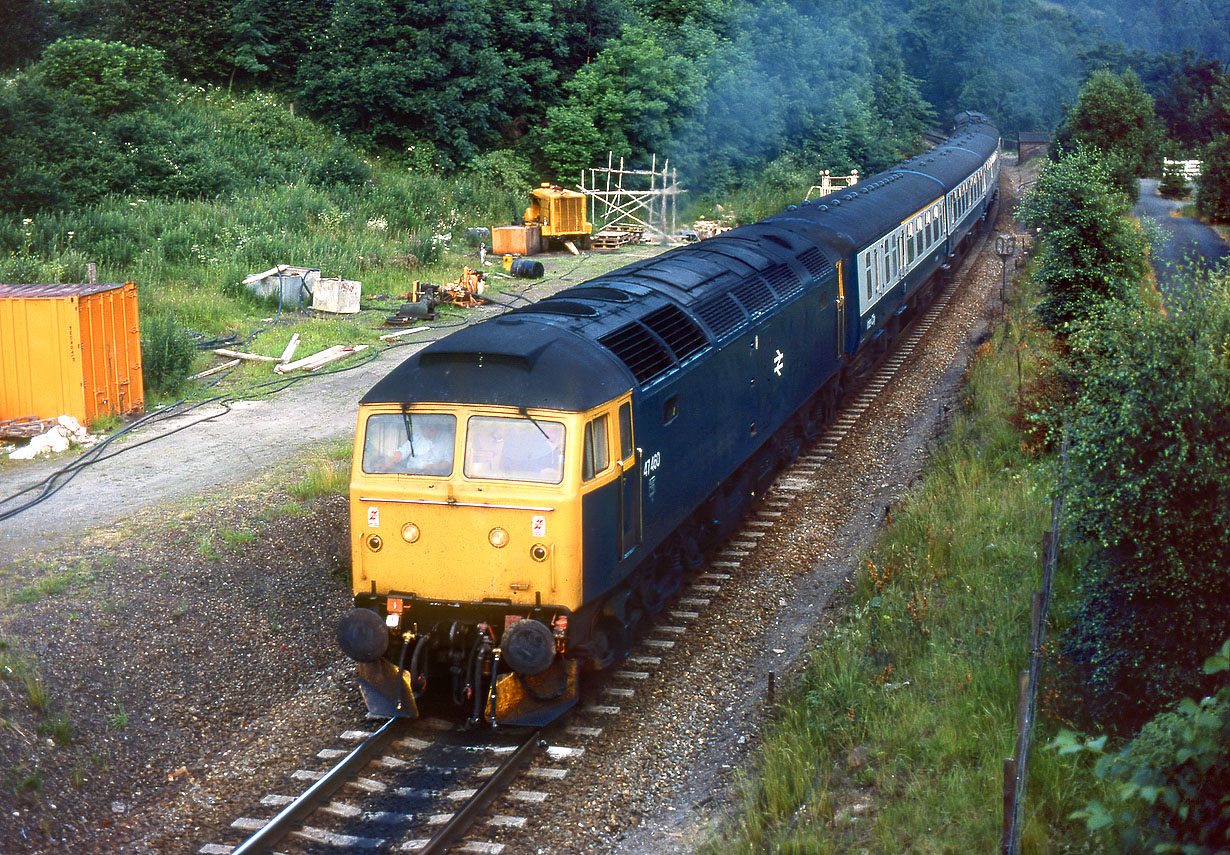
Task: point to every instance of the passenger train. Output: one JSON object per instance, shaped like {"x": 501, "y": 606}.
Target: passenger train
{"x": 526, "y": 490}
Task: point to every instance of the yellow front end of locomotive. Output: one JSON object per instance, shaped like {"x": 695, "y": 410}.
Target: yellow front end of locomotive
{"x": 466, "y": 505}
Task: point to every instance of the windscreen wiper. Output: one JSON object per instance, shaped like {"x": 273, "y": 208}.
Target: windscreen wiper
{"x": 525, "y": 412}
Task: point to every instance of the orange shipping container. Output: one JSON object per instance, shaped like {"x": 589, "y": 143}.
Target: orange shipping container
{"x": 69, "y": 349}
{"x": 516, "y": 240}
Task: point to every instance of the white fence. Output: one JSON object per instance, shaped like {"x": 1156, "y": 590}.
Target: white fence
{"x": 1190, "y": 168}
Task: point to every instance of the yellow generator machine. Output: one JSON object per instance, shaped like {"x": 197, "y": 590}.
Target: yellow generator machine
{"x": 560, "y": 212}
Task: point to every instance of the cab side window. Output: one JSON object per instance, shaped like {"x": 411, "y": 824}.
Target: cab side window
{"x": 625, "y": 431}
{"x": 597, "y": 456}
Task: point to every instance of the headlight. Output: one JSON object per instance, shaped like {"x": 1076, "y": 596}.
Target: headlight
{"x": 498, "y": 537}
{"x": 410, "y": 532}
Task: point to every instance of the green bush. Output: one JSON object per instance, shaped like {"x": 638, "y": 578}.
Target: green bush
{"x": 167, "y": 355}
{"x": 1091, "y": 254}
{"x": 1150, "y": 487}
{"x": 104, "y": 77}
{"x": 1174, "y": 182}
{"x": 1172, "y": 781}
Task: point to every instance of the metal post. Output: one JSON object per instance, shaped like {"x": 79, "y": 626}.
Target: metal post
{"x": 1005, "y": 248}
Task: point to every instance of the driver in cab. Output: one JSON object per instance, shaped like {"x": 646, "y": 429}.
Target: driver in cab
{"x": 426, "y": 450}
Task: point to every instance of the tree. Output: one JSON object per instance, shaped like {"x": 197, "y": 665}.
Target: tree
{"x": 542, "y": 44}
{"x": 193, "y": 34}
{"x": 26, "y": 25}
{"x": 1149, "y": 487}
{"x": 249, "y": 37}
{"x": 1186, "y": 105}
{"x": 1213, "y": 192}
{"x": 1114, "y": 115}
{"x": 635, "y": 98}
{"x": 1091, "y": 255}
{"x": 399, "y": 71}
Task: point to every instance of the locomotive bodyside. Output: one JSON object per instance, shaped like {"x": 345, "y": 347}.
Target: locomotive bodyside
{"x": 671, "y": 389}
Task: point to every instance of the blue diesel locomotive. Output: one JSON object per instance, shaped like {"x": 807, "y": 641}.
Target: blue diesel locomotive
{"x": 527, "y": 489}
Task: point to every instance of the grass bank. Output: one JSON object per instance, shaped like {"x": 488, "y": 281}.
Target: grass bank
{"x": 895, "y": 737}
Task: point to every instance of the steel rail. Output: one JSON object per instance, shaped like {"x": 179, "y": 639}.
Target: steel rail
{"x": 295, "y": 812}
{"x": 462, "y": 819}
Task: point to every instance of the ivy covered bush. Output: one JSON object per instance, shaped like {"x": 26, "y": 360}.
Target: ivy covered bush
{"x": 1150, "y": 487}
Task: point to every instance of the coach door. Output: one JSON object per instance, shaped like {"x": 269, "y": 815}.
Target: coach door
{"x": 629, "y": 484}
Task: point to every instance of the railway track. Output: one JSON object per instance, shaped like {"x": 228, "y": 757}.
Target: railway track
{"x": 415, "y": 787}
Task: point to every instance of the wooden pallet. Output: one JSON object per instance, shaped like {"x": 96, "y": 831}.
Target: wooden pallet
{"x": 609, "y": 239}
{"x": 616, "y": 236}
{"x": 24, "y": 427}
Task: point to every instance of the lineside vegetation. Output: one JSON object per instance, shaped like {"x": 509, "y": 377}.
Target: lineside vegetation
{"x": 895, "y": 736}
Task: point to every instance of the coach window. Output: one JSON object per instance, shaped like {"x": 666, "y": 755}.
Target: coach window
{"x": 909, "y": 231}
{"x": 597, "y": 454}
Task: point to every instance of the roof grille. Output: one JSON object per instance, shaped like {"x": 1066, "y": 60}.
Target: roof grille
{"x": 640, "y": 350}
{"x": 722, "y": 314}
{"x": 754, "y": 295}
{"x": 674, "y": 327}
{"x": 816, "y": 262}
{"x": 784, "y": 281}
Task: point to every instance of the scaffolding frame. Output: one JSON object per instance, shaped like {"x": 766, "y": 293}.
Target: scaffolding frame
{"x": 829, "y": 183}
{"x": 614, "y": 204}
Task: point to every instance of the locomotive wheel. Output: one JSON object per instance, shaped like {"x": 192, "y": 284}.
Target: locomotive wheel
{"x": 690, "y": 553}
{"x": 660, "y": 582}
{"x": 828, "y": 401}
{"x": 814, "y": 420}
{"x": 790, "y": 443}
{"x": 606, "y": 644}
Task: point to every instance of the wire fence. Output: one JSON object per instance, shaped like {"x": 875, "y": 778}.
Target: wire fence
{"x": 1016, "y": 768}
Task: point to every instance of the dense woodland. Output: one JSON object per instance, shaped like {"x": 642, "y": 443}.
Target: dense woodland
{"x": 724, "y": 88}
